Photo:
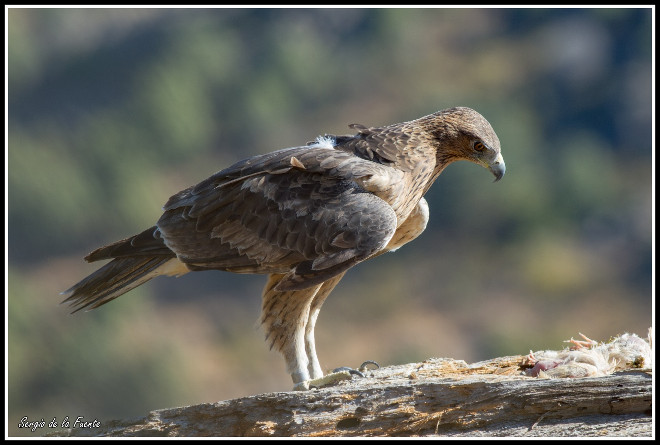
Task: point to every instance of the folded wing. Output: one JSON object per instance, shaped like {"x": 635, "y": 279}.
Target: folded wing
{"x": 300, "y": 211}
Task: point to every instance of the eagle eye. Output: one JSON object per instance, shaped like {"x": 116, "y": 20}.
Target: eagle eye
{"x": 479, "y": 146}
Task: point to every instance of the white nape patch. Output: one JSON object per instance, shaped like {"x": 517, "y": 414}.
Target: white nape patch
{"x": 324, "y": 142}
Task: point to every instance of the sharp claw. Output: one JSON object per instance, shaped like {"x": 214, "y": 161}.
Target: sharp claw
{"x": 363, "y": 366}
{"x": 361, "y": 369}
{"x": 349, "y": 370}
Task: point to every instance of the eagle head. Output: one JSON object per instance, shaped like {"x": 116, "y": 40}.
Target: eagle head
{"x": 460, "y": 133}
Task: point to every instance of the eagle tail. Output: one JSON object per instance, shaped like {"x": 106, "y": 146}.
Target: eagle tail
{"x": 116, "y": 278}
{"x": 135, "y": 261}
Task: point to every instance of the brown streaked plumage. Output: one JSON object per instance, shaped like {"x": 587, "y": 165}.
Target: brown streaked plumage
{"x": 302, "y": 215}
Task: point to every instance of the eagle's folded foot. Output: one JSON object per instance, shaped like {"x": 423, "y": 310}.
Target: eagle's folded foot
{"x": 337, "y": 375}
{"x": 326, "y": 380}
{"x": 360, "y": 371}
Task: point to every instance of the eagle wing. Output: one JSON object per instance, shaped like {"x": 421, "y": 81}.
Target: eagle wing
{"x": 302, "y": 211}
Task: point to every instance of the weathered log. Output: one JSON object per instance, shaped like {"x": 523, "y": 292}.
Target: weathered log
{"x": 436, "y": 397}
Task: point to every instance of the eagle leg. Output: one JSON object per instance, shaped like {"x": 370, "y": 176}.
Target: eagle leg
{"x": 314, "y": 367}
{"x": 285, "y": 316}
{"x": 289, "y": 318}
{"x": 317, "y": 379}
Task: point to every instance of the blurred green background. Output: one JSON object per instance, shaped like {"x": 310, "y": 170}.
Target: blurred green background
{"x": 111, "y": 111}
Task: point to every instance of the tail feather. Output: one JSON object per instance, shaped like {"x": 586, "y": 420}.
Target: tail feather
{"x": 135, "y": 260}
{"x": 148, "y": 243}
{"x": 118, "y": 277}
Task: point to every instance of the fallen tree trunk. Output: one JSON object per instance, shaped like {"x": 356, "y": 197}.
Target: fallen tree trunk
{"x": 436, "y": 397}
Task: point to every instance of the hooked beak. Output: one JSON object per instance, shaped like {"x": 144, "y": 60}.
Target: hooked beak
{"x": 497, "y": 167}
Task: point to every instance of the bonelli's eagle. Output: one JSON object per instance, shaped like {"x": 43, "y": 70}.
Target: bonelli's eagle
{"x": 301, "y": 215}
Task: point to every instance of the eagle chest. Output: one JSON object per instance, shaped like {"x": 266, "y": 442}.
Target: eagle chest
{"x": 407, "y": 194}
